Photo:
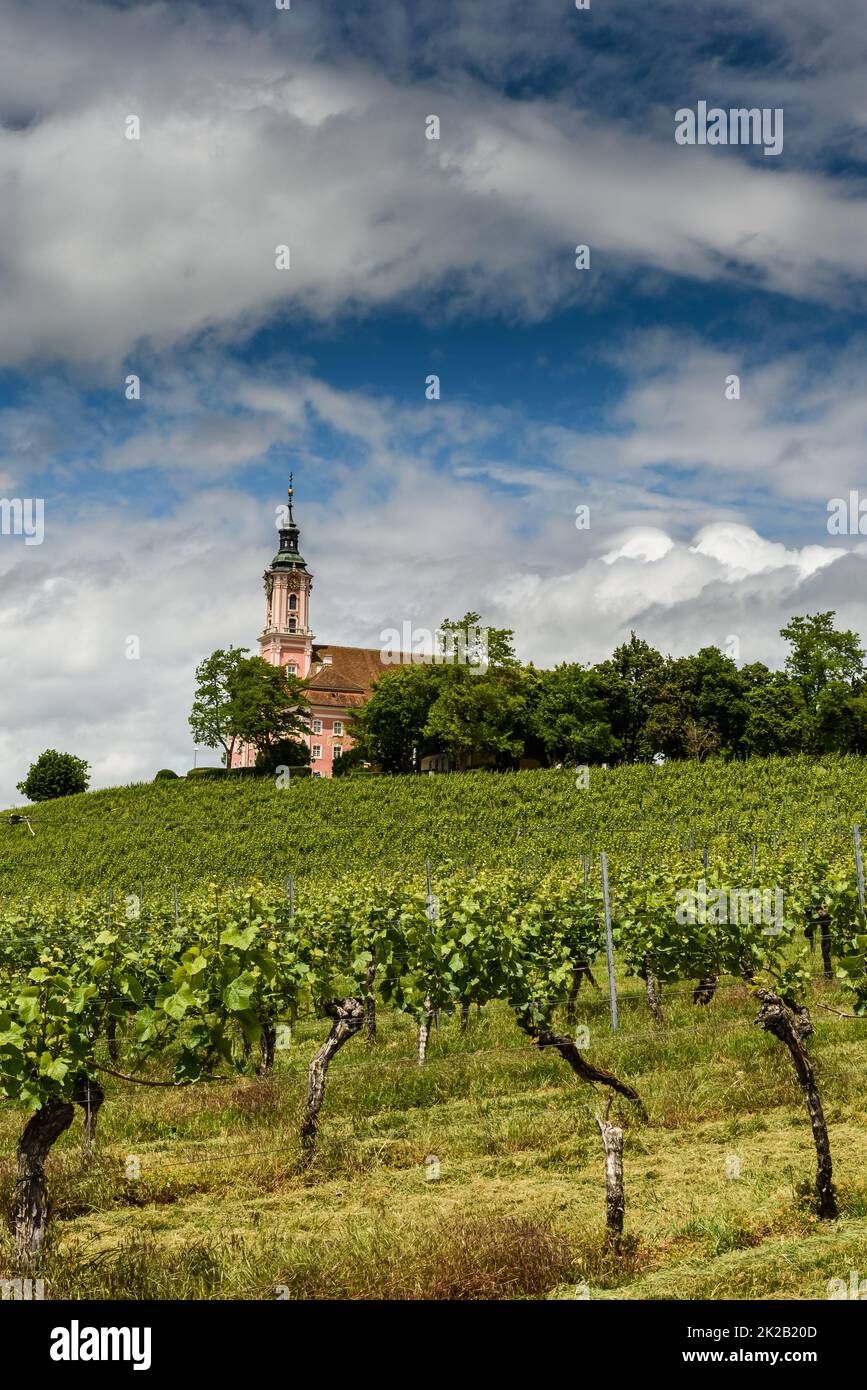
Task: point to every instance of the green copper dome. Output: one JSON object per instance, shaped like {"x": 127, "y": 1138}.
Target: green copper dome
{"x": 288, "y": 557}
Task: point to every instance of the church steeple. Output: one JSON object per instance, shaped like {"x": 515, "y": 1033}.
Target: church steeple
{"x": 287, "y": 639}
{"x": 288, "y": 556}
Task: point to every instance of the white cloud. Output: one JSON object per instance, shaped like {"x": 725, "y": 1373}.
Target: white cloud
{"x": 107, "y": 242}
{"x": 645, "y": 544}
{"x": 742, "y": 552}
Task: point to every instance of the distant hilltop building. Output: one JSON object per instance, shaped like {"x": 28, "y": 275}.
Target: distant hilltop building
{"x": 339, "y": 679}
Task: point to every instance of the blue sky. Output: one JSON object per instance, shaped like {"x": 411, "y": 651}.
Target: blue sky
{"x": 559, "y": 387}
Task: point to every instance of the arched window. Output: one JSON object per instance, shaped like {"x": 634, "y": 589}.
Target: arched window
{"x": 293, "y": 602}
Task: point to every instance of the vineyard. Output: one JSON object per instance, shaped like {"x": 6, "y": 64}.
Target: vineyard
{"x": 482, "y": 1036}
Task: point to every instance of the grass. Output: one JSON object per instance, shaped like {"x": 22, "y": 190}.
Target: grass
{"x": 225, "y": 1207}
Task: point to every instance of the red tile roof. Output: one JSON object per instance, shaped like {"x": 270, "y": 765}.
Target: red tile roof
{"x": 347, "y": 681}
{"x": 350, "y": 674}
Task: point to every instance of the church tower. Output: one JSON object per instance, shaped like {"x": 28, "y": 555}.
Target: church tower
{"x": 287, "y": 639}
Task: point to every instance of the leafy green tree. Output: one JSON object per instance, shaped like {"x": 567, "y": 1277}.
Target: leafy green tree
{"x": 489, "y": 714}
{"x": 389, "y": 729}
{"x": 209, "y": 719}
{"x": 632, "y": 677}
{"x": 776, "y": 721}
{"x": 350, "y": 762}
{"x": 571, "y": 716}
{"x": 699, "y": 707}
{"x": 477, "y": 646}
{"x": 55, "y": 774}
{"x": 266, "y": 705}
{"x": 821, "y": 656}
{"x": 840, "y": 724}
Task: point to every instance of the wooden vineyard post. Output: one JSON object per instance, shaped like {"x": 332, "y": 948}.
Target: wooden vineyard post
{"x": 859, "y": 864}
{"x": 424, "y": 1026}
{"x": 609, "y": 941}
{"x": 615, "y": 1200}
{"x": 293, "y": 1011}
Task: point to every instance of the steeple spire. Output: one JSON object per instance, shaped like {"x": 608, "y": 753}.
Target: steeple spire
{"x": 288, "y": 556}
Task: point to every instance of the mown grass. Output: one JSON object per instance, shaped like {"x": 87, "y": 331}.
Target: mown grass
{"x": 226, "y": 1208}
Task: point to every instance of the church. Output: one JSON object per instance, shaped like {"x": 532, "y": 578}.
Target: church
{"x": 339, "y": 679}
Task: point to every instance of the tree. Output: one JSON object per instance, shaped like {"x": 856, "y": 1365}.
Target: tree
{"x": 389, "y": 729}
{"x": 286, "y": 752}
{"x": 266, "y": 705}
{"x": 698, "y": 707}
{"x": 821, "y": 655}
{"x": 476, "y": 646}
{"x": 350, "y": 762}
{"x": 571, "y": 716}
{"x": 840, "y": 724}
{"x": 209, "y": 719}
{"x": 699, "y": 740}
{"x": 632, "y": 678}
{"x": 776, "y": 718}
{"x": 486, "y": 714}
{"x": 55, "y": 774}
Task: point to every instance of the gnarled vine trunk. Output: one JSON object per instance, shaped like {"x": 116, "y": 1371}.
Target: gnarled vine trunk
{"x": 825, "y": 942}
{"x": 111, "y": 1038}
{"x": 31, "y": 1189}
{"x": 91, "y": 1097}
{"x": 705, "y": 989}
{"x": 370, "y": 1001}
{"x": 348, "y": 1018}
{"x": 578, "y": 1062}
{"x": 792, "y": 1025}
{"x": 267, "y": 1044}
{"x": 465, "y": 1017}
{"x": 581, "y": 971}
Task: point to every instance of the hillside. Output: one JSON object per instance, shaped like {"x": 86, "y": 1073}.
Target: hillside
{"x": 189, "y": 832}
{"x": 202, "y": 1184}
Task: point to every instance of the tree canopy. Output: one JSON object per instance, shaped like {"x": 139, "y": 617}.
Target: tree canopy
{"x": 636, "y": 705}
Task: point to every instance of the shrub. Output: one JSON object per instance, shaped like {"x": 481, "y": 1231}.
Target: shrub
{"x": 206, "y": 774}
{"x": 165, "y": 774}
{"x": 288, "y": 752}
{"x": 55, "y": 774}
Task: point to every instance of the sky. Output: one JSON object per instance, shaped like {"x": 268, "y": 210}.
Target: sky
{"x": 606, "y": 388}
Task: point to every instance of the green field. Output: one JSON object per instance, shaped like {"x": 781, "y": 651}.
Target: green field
{"x": 188, "y": 833}
{"x": 222, "y": 1204}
